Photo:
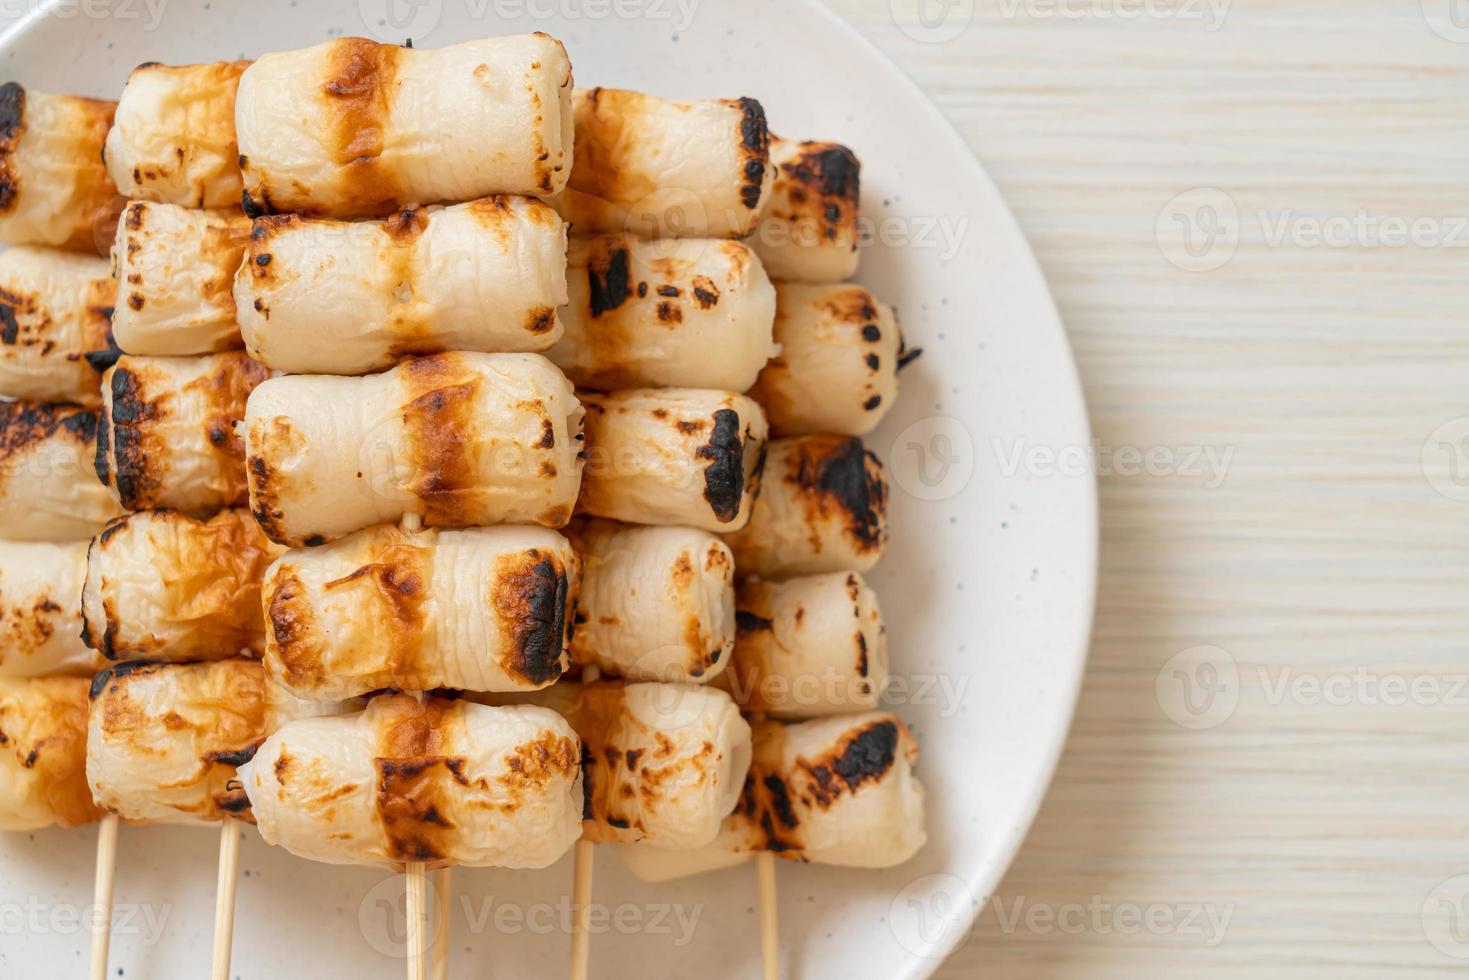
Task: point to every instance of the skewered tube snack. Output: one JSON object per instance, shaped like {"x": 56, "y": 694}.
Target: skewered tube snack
{"x": 837, "y": 370}
{"x": 353, "y": 128}
{"x": 47, "y": 492}
{"x": 664, "y": 763}
{"x": 673, "y": 456}
{"x": 664, "y": 169}
{"x": 335, "y": 297}
{"x": 460, "y": 439}
{"x": 55, "y": 310}
{"x": 441, "y": 782}
{"x": 40, "y": 609}
{"x": 173, "y": 137}
{"x": 822, "y": 508}
{"x": 175, "y": 269}
{"x": 693, "y": 313}
{"x": 656, "y": 604}
{"x": 43, "y": 753}
{"x": 166, "y": 435}
{"x": 54, "y": 188}
{"x": 808, "y": 647}
{"x": 837, "y": 791}
{"x": 480, "y": 609}
{"x": 164, "y": 586}
{"x": 808, "y": 232}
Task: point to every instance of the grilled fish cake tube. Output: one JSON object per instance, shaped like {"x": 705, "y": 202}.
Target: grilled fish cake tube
{"x": 335, "y": 297}
{"x": 166, "y": 436}
{"x": 656, "y": 604}
{"x": 48, "y": 487}
{"x": 673, "y": 456}
{"x": 353, "y": 128}
{"x": 809, "y": 231}
{"x": 480, "y": 609}
{"x": 688, "y": 314}
{"x": 664, "y": 169}
{"x": 55, "y": 310}
{"x": 442, "y": 782}
{"x": 837, "y": 791}
{"x": 808, "y": 647}
{"x": 54, "y": 188}
{"x": 43, "y": 753}
{"x": 837, "y": 370}
{"x": 163, "y": 740}
{"x": 460, "y": 439}
{"x": 822, "y": 508}
{"x": 173, "y": 137}
{"x": 164, "y": 586}
{"x": 40, "y": 609}
{"x": 175, "y": 270}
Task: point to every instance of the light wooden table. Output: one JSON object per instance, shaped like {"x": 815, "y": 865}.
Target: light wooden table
{"x": 1325, "y": 546}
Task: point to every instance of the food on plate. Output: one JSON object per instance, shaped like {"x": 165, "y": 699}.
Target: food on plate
{"x": 353, "y": 128}
{"x": 43, "y": 753}
{"x": 175, "y": 268}
{"x": 809, "y": 231}
{"x": 835, "y": 791}
{"x": 40, "y": 609}
{"x": 837, "y": 370}
{"x": 48, "y": 490}
{"x": 166, "y": 436}
{"x": 459, "y": 439}
{"x": 164, "y": 586}
{"x": 336, "y": 297}
{"x": 808, "y": 647}
{"x": 54, "y": 188}
{"x": 822, "y": 508}
{"x": 673, "y": 456}
{"x": 656, "y": 604}
{"x": 479, "y": 609}
{"x": 173, "y": 137}
{"x": 693, "y": 313}
{"x": 442, "y": 782}
{"x": 663, "y": 763}
{"x": 664, "y": 169}
{"x": 54, "y": 318}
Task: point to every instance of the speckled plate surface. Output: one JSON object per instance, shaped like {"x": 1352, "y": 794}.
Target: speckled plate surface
{"x": 987, "y": 588}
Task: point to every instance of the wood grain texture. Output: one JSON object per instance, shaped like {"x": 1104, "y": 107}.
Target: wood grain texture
{"x": 1324, "y": 545}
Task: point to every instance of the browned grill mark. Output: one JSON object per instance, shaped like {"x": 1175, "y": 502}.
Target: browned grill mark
{"x": 12, "y": 128}
{"x": 835, "y": 472}
{"x": 361, "y": 77}
{"x": 440, "y": 424}
{"x": 531, "y": 597}
{"x": 754, "y": 141}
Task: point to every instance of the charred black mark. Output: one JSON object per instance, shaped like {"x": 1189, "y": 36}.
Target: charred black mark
{"x": 609, "y": 284}
{"x": 872, "y": 403}
{"x": 843, "y": 476}
{"x": 667, "y": 290}
{"x": 548, "y": 435}
{"x": 101, "y": 360}
{"x": 724, "y": 477}
{"x": 633, "y": 755}
{"x": 861, "y": 653}
{"x": 748, "y": 622}
{"x": 119, "y": 672}
{"x": 130, "y": 413}
{"x": 541, "y": 631}
{"x": 12, "y": 112}
{"x": 780, "y": 800}
{"x": 873, "y": 362}
{"x": 907, "y": 355}
{"x": 9, "y": 328}
{"x": 236, "y": 758}
{"x": 871, "y": 333}
{"x": 99, "y": 459}
{"x": 755, "y": 138}
{"x": 837, "y": 170}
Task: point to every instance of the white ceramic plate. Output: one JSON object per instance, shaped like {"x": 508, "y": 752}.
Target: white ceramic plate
{"x": 988, "y": 585}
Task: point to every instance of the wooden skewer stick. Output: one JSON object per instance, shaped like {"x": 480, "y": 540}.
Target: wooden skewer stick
{"x": 769, "y": 936}
{"x": 439, "y": 952}
{"x": 102, "y": 894}
{"x": 581, "y": 910}
{"x": 416, "y": 877}
{"x": 224, "y": 897}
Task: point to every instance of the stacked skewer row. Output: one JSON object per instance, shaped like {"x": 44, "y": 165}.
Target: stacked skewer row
{"x": 485, "y": 387}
